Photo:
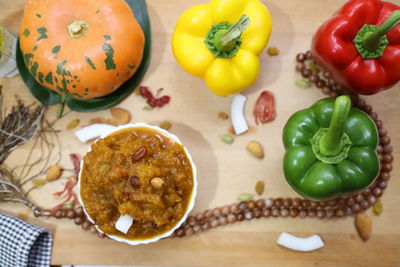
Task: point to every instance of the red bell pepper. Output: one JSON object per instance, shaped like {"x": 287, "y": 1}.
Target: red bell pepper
{"x": 360, "y": 46}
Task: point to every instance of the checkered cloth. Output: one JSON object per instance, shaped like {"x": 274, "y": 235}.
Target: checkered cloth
{"x": 23, "y": 244}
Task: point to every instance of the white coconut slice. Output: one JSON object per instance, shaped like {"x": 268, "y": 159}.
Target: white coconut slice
{"x": 124, "y": 223}
{"x": 237, "y": 114}
{"x": 290, "y": 241}
{"x": 93, "y": 131}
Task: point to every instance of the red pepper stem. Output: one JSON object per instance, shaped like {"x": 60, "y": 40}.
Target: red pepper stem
{"x": 371, "y": 40}
{"x": 331, "y": 143}
{"x": 225, "y": 40}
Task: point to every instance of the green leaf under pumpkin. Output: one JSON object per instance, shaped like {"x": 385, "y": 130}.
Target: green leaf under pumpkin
{"x": 49, "y": 97}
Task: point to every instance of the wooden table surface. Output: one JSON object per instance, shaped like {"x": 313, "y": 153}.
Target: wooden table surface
{"x": 224, "y": 170}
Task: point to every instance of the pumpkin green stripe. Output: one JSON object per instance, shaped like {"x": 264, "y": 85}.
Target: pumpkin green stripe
{"x": 56, "y": 49}
{"x": 64, "y": 84}
{"x": 90, "y": 62}
{"x": 34, "y": 68}
{"x": 97, "y": 11}
{"x": 60, "y": 89}
{"x": 77, "y": 95}
{"x": 40, "y": 77}
{"x": 107, "y": 37}
{"x": 56, "y": 79}
{"x": 49, "y": 78}
{"x": 61, "y": 66}
{"x": 110, "y": 64}
{"x": 42, "y": 31}
{"x": 26, "y": 33}
{"x": 27, "y": 59}
{"x": 38, "y": 15}
{"x": 35, "y": 47}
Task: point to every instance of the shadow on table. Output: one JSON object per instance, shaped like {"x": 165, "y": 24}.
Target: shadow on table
{"x": 204, "y": 159}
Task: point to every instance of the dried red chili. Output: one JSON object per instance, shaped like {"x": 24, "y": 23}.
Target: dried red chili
{"x": 264, "y": 109}
{"x": 77, "y": 163}
{"x": 68, "y": 192}
{"x": 154, "y": 101}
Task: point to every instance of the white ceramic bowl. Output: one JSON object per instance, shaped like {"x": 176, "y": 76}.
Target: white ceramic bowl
{"x": 191, "y": 200}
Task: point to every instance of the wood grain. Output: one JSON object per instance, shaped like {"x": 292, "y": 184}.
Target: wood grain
{"x": 224, "y": 170}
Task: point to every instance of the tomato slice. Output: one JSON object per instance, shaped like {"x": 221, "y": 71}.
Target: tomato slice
{"x": 264, "y": 108}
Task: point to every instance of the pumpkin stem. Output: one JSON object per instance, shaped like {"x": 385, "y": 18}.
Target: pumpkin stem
{"x": 60, "y": 107}
{"x": 78, "y": 28}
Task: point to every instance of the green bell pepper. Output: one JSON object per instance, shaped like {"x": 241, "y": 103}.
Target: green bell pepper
{"x": 330, "y": 150}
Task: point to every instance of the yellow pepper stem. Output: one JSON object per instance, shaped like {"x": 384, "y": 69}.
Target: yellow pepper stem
{"x": 223, "y": 40}
{"x": 226, "y": 39}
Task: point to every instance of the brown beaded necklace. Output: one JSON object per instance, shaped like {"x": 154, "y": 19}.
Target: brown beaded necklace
{"x": 279, "y": 207}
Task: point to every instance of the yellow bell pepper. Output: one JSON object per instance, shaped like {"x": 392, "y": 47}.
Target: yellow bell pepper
{"x": 220, "y": 42}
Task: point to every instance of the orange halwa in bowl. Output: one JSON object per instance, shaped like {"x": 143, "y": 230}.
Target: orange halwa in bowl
{"x": 141, "y": 171}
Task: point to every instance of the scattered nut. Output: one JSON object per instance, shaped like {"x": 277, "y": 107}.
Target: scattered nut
{"x": 121, "y": 115}
{"x": 223, "y": 116}
{"x": 53, "y": 173}
{"x": 255, "y": 149}
{"x": 364, "y": 226}
{"x": 302, "y": 84}
{"x": 69, "y": 205}
{"x": 72, "y": 124}
{"x": 259, "y": 188}
{"x": 147, "y": 107}
{"x": 377, "y": 207}
{"x": 38, "y": 182}
{"x": 245, "y": 197}
{"x": 166, "y": 125}
{"x": 273, "y": 51}
{"x": 226, "y": 138}
{"x": 157, "y": 182}
{"x": 314, "y": 67}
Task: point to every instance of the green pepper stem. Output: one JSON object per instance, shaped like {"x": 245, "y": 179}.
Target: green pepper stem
{"x": 60, "y": 107}
{"x": 225, "y": 40}
{"x": 372, "y": 39}
{"x": 330, "y": 144}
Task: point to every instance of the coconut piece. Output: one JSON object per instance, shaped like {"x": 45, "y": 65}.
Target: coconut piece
{"x": 237, "y": 114}
{"x": 290, "y": 241}
{"x": 93, "y": 131}
{"x": 124, "y": 223}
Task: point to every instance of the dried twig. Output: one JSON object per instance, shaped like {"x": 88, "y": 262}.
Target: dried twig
{"x": 17, "y": 128}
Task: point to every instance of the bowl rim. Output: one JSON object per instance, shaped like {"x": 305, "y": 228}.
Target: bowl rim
{"x": 191, "y": 200}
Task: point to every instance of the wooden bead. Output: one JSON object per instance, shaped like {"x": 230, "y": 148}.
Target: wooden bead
{"x": 208, "y": 214}
{"x": 216, "y": 212}
{"x": 225, "y": 210}
{"x": 287, "y": 203}
{"x": 240, "y": 217}
{"x": 200, "y": 217}
{"x": 293, "y": 212}
{"x": 258, "y": 213}
{"x": 251, "y": 205}
{"x": 260, "y": 203}
{"x": 267, "y": 213}
{"x": 231, "y": 218}
{"x": 385, "y": 176}
{"x": 233, "y": 208}
{"x": 284, "y": 212}
{"x": 222, "y": 220}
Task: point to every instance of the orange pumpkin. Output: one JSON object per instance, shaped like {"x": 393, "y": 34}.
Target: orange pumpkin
{"x": 81, "y": 48}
